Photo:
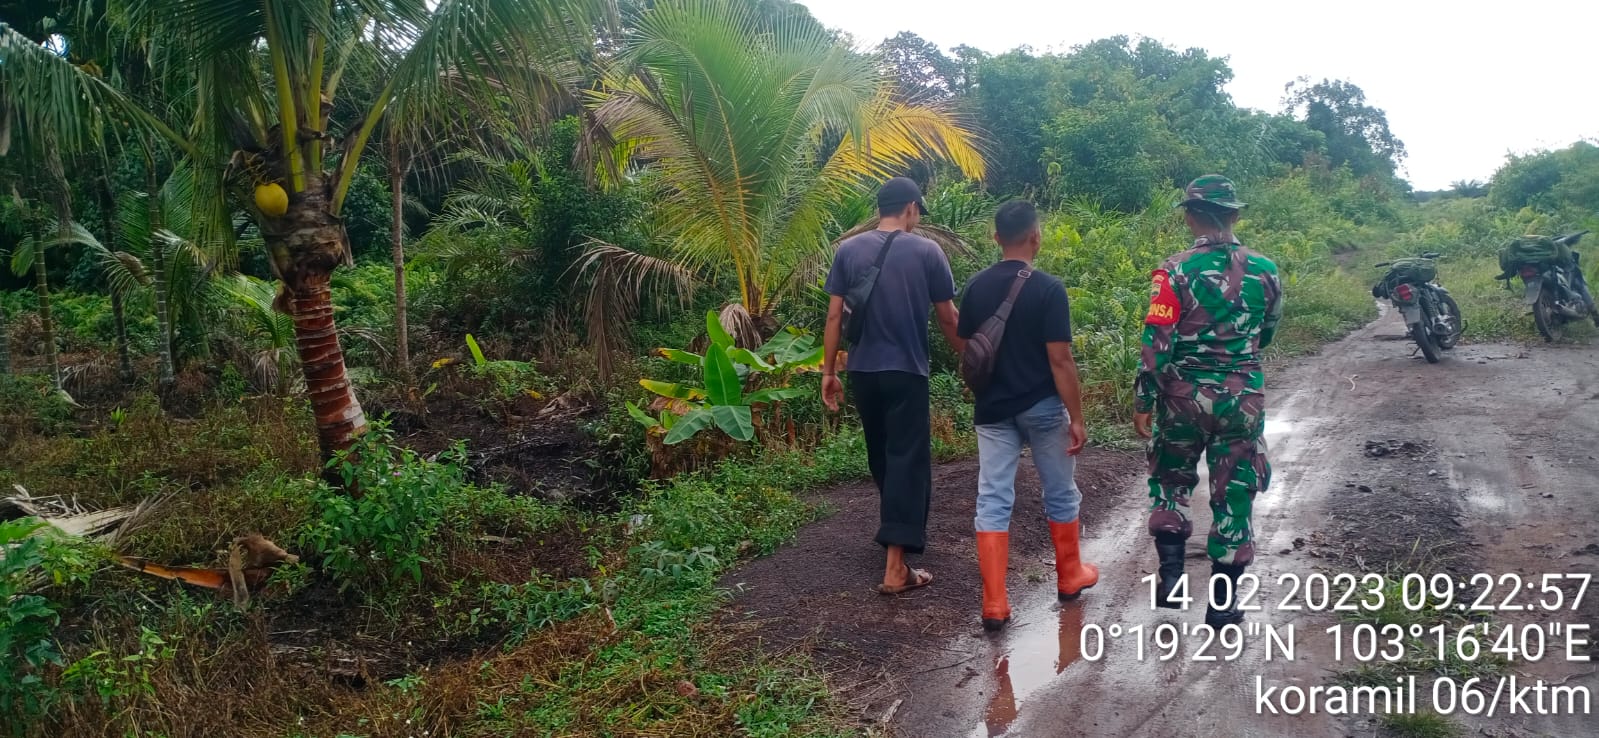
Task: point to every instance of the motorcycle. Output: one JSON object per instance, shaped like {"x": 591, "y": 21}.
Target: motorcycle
{"x": 1431, "y": 315}
{"x": 1557, "y": 295}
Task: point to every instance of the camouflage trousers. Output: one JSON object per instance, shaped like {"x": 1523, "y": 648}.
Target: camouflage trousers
{"x": 1228, "y": 428}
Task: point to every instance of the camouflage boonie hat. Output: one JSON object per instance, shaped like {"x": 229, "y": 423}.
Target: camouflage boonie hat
{"x": 1212, "y": 189}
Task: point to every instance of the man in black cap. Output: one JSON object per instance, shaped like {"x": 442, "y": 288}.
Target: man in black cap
{"x": 887, "y": 364}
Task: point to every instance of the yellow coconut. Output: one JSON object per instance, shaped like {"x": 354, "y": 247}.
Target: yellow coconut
{"x": 271, "y": 199}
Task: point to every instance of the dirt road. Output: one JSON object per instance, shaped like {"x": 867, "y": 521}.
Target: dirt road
{"x": 1483, "y": 463}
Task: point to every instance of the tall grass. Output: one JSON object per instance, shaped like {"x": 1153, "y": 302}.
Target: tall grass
{"x": 1469, "y": 233}
{"x": 1105, "y": 258}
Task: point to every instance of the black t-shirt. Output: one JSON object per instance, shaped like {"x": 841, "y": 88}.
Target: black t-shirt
{"x": 1042, "y": 314}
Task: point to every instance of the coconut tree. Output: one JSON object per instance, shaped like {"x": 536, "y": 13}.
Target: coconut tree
{"x": 260, "y": 338}
{"x": 179, "y": 265}
{"x": 756, "y": 127}
{"x": 31, "y": 254}
{"x": 5, "y": 342}
{"x": 10, "y": 219}
{"x": 156, "y": 228}
{"x": 400, "y": 158}
{"x": 123, "y": 272}
{"x": 266, "y": 80}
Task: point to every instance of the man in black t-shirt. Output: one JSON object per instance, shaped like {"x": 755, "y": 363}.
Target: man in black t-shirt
{"x": 1032, "y": 399}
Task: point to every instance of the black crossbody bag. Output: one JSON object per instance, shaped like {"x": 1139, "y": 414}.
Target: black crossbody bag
{"x": 860, "y": 294}
{"x": 982, "y": 349}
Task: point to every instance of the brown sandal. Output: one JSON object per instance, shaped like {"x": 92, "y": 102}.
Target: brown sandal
{"x": 914, "y": 579}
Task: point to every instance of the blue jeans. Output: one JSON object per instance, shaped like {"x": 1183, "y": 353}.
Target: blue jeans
{"x": 1043, "y": 427}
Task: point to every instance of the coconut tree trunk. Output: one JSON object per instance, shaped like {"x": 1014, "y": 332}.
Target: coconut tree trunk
{"x": 108, "y": 212}
{"x": 5, "y": 344}
{"x": 306, "y": 244}
{"x": 158, "y": 284}
{"x": 41, "y": 284}
{"x": 124, "y": 356}
{"x": 63, "y": 203}
{"x": 398, "y": 164}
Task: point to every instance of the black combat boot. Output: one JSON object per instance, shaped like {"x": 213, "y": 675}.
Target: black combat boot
{"x": 1171, "y": 549}
{"x": 1219, "y": 590}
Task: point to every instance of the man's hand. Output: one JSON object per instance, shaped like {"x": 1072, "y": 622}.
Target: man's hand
{"x": 1141, "y": 425}
{"x": 832, "y": 391}
{"x": 1079, "y": 437}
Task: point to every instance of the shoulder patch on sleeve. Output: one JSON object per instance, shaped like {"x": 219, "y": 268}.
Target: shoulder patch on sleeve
{"x": 1164, "y": 307}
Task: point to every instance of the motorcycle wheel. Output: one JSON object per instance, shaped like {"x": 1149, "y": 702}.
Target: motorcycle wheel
{"x": 1452, "y": 310}
{"x": 1546, "y": 317}
{"x": 1429, "y": 347}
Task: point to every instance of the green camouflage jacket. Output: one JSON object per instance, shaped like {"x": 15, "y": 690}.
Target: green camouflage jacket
{"x": 1212, "y": 309}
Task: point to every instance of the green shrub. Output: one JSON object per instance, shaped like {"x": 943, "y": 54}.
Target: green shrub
{"x": 115, "y": 679}
{"x": 409, "y": 511}
{"x": 33, "y": 556}
{"x": 1321, "y": 308}
{"x": 539, "y": 604}
{"x": 30, "y": 402}
{"x": 947, "y": 394}
{"x": 384, "y": 536}
{"x": 724, "y": 370}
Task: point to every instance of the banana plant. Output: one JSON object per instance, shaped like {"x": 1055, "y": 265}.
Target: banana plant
{"x": 720, "y": 400}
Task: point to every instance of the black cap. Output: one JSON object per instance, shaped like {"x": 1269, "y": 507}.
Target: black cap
{"x": 897, "y": 193}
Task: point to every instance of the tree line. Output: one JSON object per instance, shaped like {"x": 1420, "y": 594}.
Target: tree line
{"x": 570, "y": 168}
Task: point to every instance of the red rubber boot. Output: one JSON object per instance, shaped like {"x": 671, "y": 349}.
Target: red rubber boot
{"x": 1071, "y": 574}
{"x": 993, "y": 556}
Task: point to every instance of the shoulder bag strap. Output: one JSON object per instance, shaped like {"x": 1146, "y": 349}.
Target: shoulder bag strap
{"x": 1003, "y": 313}
{"x": 877, "y": 269}
{"x": 882, "y": 254}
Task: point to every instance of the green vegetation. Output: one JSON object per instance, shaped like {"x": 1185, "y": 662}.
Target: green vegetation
{"x": 536, "y": 198}
{"x": 725, "y": 370}
{"x": 1420, "y": 725}
{"x": 34, "y": 556}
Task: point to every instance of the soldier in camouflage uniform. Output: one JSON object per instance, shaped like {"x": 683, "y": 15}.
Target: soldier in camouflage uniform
{"x": 1212, "y": 309}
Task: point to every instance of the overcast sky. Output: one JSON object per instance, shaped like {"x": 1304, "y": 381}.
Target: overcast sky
{"x": 1463, "y": 83}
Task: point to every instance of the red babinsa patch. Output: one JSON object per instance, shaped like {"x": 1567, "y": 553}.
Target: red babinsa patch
{"x": 1164, "y": 307}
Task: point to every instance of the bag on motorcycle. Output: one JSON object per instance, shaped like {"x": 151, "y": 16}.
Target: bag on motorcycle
{"x": 1538, "y": 250}
{"x": 1414, "y": 271}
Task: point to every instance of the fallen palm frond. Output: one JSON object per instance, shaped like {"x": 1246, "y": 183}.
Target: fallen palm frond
{"x": 67, "y": 517}
{"x": 250, "y": 558}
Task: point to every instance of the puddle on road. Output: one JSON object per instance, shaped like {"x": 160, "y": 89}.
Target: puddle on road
{"x": 1038, "y": 648}
{"x": 1485, "y": 499}
{"x": 1032, "y": 658}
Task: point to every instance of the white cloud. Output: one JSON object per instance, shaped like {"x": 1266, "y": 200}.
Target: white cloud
{"x": 1462, "y": 83}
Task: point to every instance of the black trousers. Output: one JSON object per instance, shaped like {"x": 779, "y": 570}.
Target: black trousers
{"x": 894, "y": 418}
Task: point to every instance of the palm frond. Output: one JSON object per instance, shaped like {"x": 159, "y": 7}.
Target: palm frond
{"x": 740, "y": 117}
{"x": 124, "y": 272}
{"x": 518, "y": 52}
{"x": 620, "y": 281}
{"x": 739, "y": 324}
{"x": 22, "y": 256}
{"x": 48, "y": 98}
{"x": 951, "y": 242}
{"x": 252, "y": 300}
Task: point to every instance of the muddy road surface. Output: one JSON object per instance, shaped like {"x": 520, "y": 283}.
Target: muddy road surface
{"x": 1384, "y": 464}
